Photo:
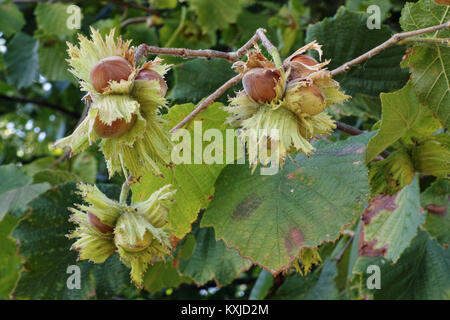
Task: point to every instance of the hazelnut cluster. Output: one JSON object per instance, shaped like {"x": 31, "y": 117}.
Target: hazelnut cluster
{"x": 290, "y": 98}
{"x": 123, "y": 105}
{"x": 137, "y": 232}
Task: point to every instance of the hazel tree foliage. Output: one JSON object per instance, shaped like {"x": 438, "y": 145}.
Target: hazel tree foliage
{"x": 266, "y": 149}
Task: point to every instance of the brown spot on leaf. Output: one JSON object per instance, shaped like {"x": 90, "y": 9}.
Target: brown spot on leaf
{"x": 409, "y": 52}
{"x": 436, "y": 209}
{"x": 296, "y": 236}
{"x": 377, "y": 205}
{"x": 367, "y": 249}
{"x": 290, "y": 175}
{"x": 294, "y": 241}
{"x": 248, "y": 206}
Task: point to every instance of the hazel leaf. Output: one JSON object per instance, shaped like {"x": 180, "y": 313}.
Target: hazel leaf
{"x": 194, "y": 182}
{"x": 212, "y": 260}
{"x": 391, "y": 222}
{"x": 427, "y": 276}
{"x": 346, "y": 36}
{"x": 270, "y": 219}
{"x": 401, "y": 113}
{"x": 217, "y": 14}
{"x": 435, "y": 202}
{"x": 429, "y": 64}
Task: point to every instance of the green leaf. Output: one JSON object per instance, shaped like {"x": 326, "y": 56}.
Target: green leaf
{"x": 11, "y": 18}
{"x": 314, "y": 286}
{"x": 199, "y": 78}
{"x": 435, "y": 201}
{"x": 17, "y": 191}
{"x": 85, "y": 167}
{"x": 45, "y": 247}
{"x": 360, "y": 105}
{"x": 425, "y": 13}
{"x": 13, "y": 177}
{"x": 390, "y": 175}
{"x": 52, "y": 19}
{"x": 10, "y": 263}
{"x": 38, "y": 165}
{"x": 262, "y": 286}
{"x": 430, "y": 68}
{"x": 420, "y": 273}
{"x": 164, "y": 4}
{"x": 401, "y": 112}
{"x": 140, "y": 33}
{"x": 212, "y": 260}
{"x": 345, "y": 37}
{"x": 270, "y": 219}
{"x": 55, "y": 177}
{"x": 430, "y": 64}
{"x": 391, "y": 222}
{"x": 22, "y": 61}
{"x": 112, "y": 278}
{"x": 52, "y": 61}
{"x": 431, "y": 156}
{"x": 161, "y": 275}
{"x": 217, "y": 14}
{"x": 194, "y": 182}
{"x": 247, "y": 23}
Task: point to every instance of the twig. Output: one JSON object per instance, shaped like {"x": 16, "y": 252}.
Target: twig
{"x": 273, "y": 51}
{"x": 210, "y": 99}
{"x": 391, "y": 41}
{"x": 341, "y": 254}
{"x": 233, "y": 56}
{"x": 348, "y": 129}
{"x": 439, "y": 41}
{"x": 125, "y": 189}
{"x": 129, "y": 21}
{"x": 259, "y": 34}
{"x": 41, "y": 103}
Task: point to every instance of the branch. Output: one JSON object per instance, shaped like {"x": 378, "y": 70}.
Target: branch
{"x": 273, "y": 51}
{"x": 348, "y": 129}
{"x": 260, "y": 35}
{"x": 233, "y": 56}
{"x": 341, "y": 254}
{"x": 210, "y": 99}
{"x": 390, "y": 42}
{"x": 40, "y": 103}
{"x": 129, "y": 21}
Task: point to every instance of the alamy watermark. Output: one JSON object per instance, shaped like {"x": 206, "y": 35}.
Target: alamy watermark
{"x": 74, "y": 19}
{"x": 74, "y": 280}
{"x": 374, "y": 20}
{"x": 374, "y": 280}
{"x": 189, "y": 147}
